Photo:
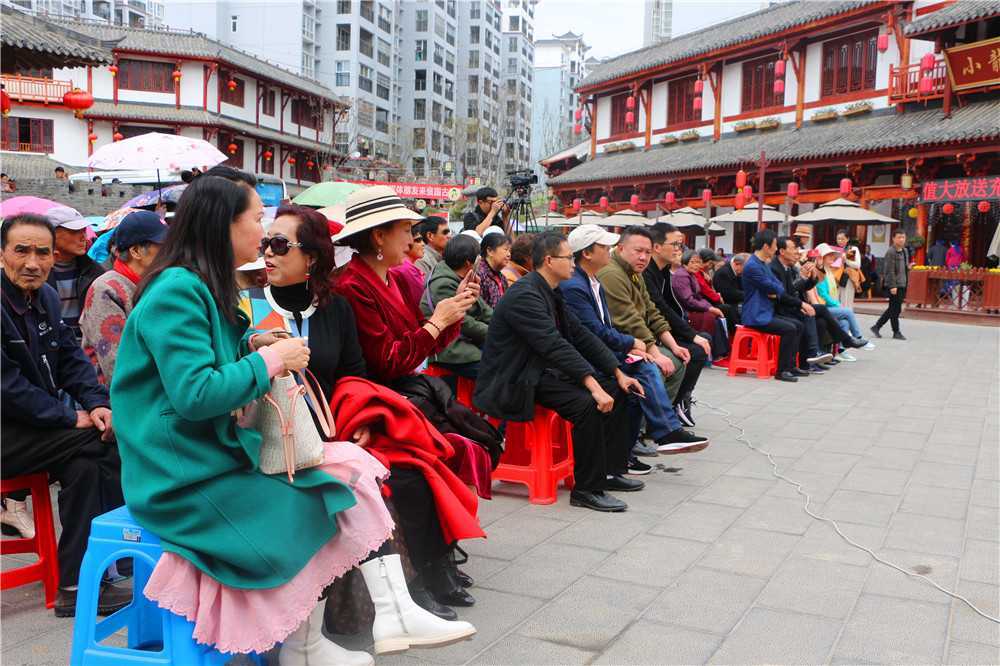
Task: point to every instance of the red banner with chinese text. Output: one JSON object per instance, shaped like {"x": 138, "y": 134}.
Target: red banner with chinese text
{"x": 975, "y": 65}
{"x": 417, "y": 190}
{"x": 960, "y": 189}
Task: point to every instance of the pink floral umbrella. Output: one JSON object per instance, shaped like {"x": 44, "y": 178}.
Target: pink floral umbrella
{"x": 155, "y": 150}
{"x": 24, "y": 204}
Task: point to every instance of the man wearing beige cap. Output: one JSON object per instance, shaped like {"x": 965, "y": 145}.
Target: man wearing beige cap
{"x": 73, "y": 271}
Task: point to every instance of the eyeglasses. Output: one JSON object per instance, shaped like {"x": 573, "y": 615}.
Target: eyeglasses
{"x": 677, "y": 244}
{"x": 561, "y": 256}
{"x": 279, "y": 245}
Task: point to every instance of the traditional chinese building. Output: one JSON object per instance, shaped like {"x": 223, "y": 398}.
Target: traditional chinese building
{"x": 868, "y": 99}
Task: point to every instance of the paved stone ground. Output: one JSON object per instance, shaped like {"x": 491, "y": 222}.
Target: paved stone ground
{"x": 715, "y": 562}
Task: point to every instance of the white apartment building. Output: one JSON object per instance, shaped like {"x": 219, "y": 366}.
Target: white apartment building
{"x": 658, "y": 21}
{"x": 560, "y": 65}
{"x": 132, "y": 13}
{"x": 518, "y": 54}
{"x": 478, "y": 133}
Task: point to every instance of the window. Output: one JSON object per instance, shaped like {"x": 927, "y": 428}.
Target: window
{"x": 26, "y": 135}
{"x": 451, "y": 35}
{"x": 418, "y": 166}
{"x": 421, "y": 54}
{"x": 365, "y": 43}
{"x": 489, "y": 39}
{"x": 307, "y": 115}
{"x": 473, "y": 59}
{"x": 436, "y": 112}
{"x": 422, "y": 21}
{"x": 368, "y": 10}
{"x": 849, "y": 63}
{"x": 438, "y": 83}
{"x": 419, "y": 109}
{"x": 515, "y": 24}
{"x": 343, "y": 37}
{"x": 680, "y": 101}
{"x": 512, "y": 86}
{"x": 436, "y": 141}
{"x": 419, "y": 138}
{"x": 145, "y": 76}
{"x": 439, "y": 55}
{"x": 451, "y": 8}
{"x": 267, "y": 103}
{"x": 473, "y": 84}
{"x": 343, "y": 73}
{"x": 233, "y": 20}
{"x": 618, "y": 112}
{"x": 449, "y": 62}
{"x": 382, "y": 120}
{"x": 365, "y": 74}
{"x": 384, "y": 51}
{"x": 382, "y": 87}
{"x": 512, "y": 44}
{"x": 308, "y": 27}
{"x": 473, "y": 110}
{"x": 449, "y": 90}
{"x": 512, "y": 65}
{"x": 344, "y": 6}
{"x": 439, "y": 26}
{"x": 384, "y": 19}
{"x": 474, "y": 10}
{"x": 366, "y": 114}
{"x": 340, "y": 141}
{"x": 420, "y": 79}
{"x": 236, "y": 94}
{"x": 758, "y": 86}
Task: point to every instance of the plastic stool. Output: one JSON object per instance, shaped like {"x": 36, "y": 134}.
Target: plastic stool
{"x": 465, "y": 385}
{"x": 46, "y": 569}
{"x": 753, "y": 351}
{"x": 155, "y": 635}
{"x": 529, "y": 456}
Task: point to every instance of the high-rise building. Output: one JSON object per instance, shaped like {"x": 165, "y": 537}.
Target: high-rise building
{"x": 478, "y": 130}
{"x": 518, "y": 53}
{"x": 131, "y": 13}
{"x": 658, "y": 21}
{"x": 560, "y": 65}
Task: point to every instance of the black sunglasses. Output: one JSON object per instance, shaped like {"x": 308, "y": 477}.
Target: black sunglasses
{"x": 279, "y": 245}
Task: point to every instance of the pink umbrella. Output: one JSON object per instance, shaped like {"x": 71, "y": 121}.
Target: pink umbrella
{"x": 24, "y": 204}
{"x": 155, "y": 150}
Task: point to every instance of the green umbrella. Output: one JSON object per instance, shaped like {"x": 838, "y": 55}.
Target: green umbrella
{"x": 326, "y": 194}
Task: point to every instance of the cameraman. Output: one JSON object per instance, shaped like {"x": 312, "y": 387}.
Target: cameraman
{"x": 483, "y": 216}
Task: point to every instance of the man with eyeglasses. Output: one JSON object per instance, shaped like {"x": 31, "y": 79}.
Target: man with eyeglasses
{"x": 537, "y": 351}
{"x": 435, "y": 232}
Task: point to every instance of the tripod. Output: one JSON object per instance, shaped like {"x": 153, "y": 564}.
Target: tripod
{"x": 522, "y": 216}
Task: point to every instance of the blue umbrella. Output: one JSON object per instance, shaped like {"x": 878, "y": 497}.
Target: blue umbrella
{"x": 169, "y": 194}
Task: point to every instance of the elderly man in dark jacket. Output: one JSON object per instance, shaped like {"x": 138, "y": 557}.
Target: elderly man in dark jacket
{"x": 726, "y": 280}
{"x": 41, "y": 433}
{"x": 537, "y": 351}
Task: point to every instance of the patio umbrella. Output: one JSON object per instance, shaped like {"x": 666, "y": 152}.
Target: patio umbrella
{"x": 112, "y": 220}
{"x": 155, "y": 150}
{"x": 326, "y": 194}
{"x": 842, "y": 210}
{"x": 168, "y": 194}
{"x": 683, "y": 217}
{"x": 625, "y": 218}
{"x": 552, "y": 219}
{"x": 748, "y": 215}
{"x": 585, "y": 217}
{"x": 25, "y": 204}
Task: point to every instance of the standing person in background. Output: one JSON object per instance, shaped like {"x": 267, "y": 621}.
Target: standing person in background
{"x": 435, "y": 232}
{"x": 489, "y": 211}
{"x": 60, "y": 173}
{"x": 412, "y": 279}
{"x": 955, "y": 256}
{"x": 74, "y": 271}
{"x": 938, "y": 253}
{"x": 894, "y": 280}
{"x": 520, "y": 258}
{"x": 494, "y": 254}
{"x": 851, "y": 285}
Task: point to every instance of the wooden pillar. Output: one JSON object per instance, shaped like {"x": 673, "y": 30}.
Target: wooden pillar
{"x": 593, "y": 128}
{"x": 800, "y": 87}
{"x": 966, "y": 229}
{"x": 921, "y": 255}
{"x": 649, "y": 115}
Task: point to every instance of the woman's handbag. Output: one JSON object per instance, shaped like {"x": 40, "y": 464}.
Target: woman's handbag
{"x": 290, "y": 441}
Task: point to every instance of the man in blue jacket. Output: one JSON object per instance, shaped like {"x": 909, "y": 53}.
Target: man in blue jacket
{"x": 584, "y": 295}
{"x": 41, "y": 357}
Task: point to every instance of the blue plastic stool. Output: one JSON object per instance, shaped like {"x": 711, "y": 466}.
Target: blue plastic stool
{"x": 155, "y": 635}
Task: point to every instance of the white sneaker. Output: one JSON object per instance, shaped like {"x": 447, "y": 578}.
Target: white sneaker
{"x": 868, "y": 347}
{"x": 844, "y": 356}
{"x": 16, "y": 515}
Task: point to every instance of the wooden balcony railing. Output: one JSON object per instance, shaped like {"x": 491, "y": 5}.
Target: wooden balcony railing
{"x": 25, "y": 146}
{"x": 32, "y": 89}
{"x": 904, "y": 83}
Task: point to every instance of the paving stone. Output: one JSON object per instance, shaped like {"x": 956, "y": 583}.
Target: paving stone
{"x": 750, "y": 552}
{"x": 697, "y": 521}
{"x": 926, "y": 534}
{"x": 826, "y": 462}
{"x": 778, "y": 637}
{"x": 481, "y": 567}
{"x": 707, "y": 600}
{"x": 972, "y": 654}
{"x": 590, "y": 614}
{"x": 821, "y": 542}
{"x": 820, "y": 487}
{"x": 734, "y": 491}
{"x": 545, "y": 571}
{"x": 523, "y": 650}
{"x": 514, "y": 535}
{"x": 813, "y": 586}
{"x": 986, "y": 493}
{"x": 966, "y": 624}
{"x": 983, "y": 523}
{"x": 650, "y": 643}
{"x": 42, "y": 649}
{"x": 953, "y": 453}
{"x": 501, "y": 505}
{"x": 693, "y": 471}
{"x": 651, "y": 560}
{"x": 902, "y": 440}
{"x": 597, "y": 531}
{"x": 757, "y": 466}
{"x": 980, "y": 561}
{"x": 933, "y": 501}
{"x": 888, "y": 582}
{"x": 885, "y": 630}
{"x": 943, "y": 475}
{"x": 658, "y": 498}
{"x": 891, "y": 458}
{"x": 876, "y": 480}
{"x": 777, "y": 514}
{"x": 857, "y": 507}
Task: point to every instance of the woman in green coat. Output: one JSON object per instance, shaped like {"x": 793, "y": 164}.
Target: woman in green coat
{"x": 246, "y": 555}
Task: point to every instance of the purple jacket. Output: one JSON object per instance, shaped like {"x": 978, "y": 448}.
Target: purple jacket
{"x": 688, "y": 291}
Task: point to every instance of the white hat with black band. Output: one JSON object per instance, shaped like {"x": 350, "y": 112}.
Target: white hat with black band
{"x": 372, "y": 207}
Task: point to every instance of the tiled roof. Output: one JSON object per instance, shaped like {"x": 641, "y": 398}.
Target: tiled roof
{"x": 958, "y": 13}
{"x": 196, "y": 116}
{"x": 21, "y": 31}
{"x": 32, "y": 165}
{"x": 176, "y": 43}
{"x": 728, "y": 33}
{"x": 869, "y": 134}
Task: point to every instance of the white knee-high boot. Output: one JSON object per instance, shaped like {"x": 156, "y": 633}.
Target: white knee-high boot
{"x": 399, "y": 622}
{"x": 307, "y": 646}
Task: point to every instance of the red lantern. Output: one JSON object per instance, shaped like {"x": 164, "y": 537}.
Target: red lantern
{"x": 793, "y": 190}
{"x": 117, "y": 136}
{"x": 577, "y": 128}
{"x": 327, "y": 167}
{"x": 231, "y": 84}
{"x": 747, "y": 192}
{"x": 926, "y": 86}
{"x": 779, "y": 86}
{"x": 948, "y": 209}
{"x": 114, "y": 70}
{"x": 177, "y": 75}
{"x": 291, "y": 161}
{"x": 553, "y": 205}
{"x": 883, "y": 42}
{"x": 706, "y": 195}
{"x": 4, "y": 103}
{"x": 310, "y": 164}
{"x": 846, "y": 187}
{"x": 927, "y": 62}
{"x": 741, "y": 179}
{"x": 983, "y": 206}
{"x": 630, "y": 102}
{"x": 92, "y": 137}
{"x": 576, "y": 205}
{"x": 697, "y": 103}
{"x": 739, "y": 201}
{"x": 633, "y": 200}
{"x": 78, "y": 100}
{"x": 699, "y": 86}
{"x": 779, "y": 69}
{"x": 267, "y": 154}
{"x": 604, "y": 202}
{"x": 578, "y": 115}
{"x": 232, "y": 148}
{"x": 629, "y": 118}
{"x": 670, "y": 198}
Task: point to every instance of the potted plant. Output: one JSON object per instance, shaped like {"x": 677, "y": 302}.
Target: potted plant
{"x": 745, "y": 126}
{"x": 768, "y": 123}
{"x": 625, "y": 146}
{"x": 690, "y": 135}
{"x": 824, "y": 115}
{"x": 857, "y": 109}
{"x": 915, "y": 242}
{"x": 611, "y": 148}
{"x": 668, "y": 139}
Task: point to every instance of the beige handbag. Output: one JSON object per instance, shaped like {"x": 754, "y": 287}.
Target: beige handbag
{"x": 290, "y": 441}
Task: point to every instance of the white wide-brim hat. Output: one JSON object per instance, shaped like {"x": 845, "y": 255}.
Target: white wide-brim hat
{"x": 372, "y": 207}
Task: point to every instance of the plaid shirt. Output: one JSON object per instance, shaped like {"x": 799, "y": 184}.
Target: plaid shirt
{"x": 492, "y": 283}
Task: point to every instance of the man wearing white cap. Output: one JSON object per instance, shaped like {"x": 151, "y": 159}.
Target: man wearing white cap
{"x": 73, "y": 272}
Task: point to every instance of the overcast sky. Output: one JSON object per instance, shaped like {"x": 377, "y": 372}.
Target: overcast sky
{"x": 613, "y": 27}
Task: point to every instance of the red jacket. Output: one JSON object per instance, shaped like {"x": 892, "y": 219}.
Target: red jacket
{"x": 706, "y": 288}
{"x": 413, "y": 443}
{"x": 390, "y": 330}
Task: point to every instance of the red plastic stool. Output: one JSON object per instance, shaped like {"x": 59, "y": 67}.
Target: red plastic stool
{"x": 753, "y": 351}
{"x": 539, "y": 454}
{"x": 465, "y": 385}
{"x": 46, "y": 569}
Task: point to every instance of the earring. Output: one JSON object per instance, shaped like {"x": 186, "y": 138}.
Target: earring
{"x": 380, "y": 256}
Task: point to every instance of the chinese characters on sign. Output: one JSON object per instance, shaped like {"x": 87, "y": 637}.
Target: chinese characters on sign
{"x": 974, "y": 65}
{"x": 415, "y": 190}
{"x": 960, "y": 189}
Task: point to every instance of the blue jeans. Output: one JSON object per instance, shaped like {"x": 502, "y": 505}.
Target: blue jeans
{"x": 848, "y": 322}
{"x": 656, "y": 407}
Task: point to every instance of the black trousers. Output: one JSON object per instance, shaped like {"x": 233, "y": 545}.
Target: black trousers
{"x": 832, "y": 326}
{"x": 790, "y": 331}
{"x": 892, "y": 312}
{"x": 600, "y": 441}
{"x": 694, "y": 368}
{"x": 732, "y": 314}
{"x": 89, "y": 475}
{"x": 418, "y": 518}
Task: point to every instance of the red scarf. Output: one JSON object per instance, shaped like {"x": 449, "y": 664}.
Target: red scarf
{"x": 121, "y": 267}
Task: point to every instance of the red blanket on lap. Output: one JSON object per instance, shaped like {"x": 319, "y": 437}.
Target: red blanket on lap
{"x": 413, "y": 443}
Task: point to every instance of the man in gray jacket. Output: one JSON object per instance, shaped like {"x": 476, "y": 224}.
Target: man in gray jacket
{"x": 894, "y": 280}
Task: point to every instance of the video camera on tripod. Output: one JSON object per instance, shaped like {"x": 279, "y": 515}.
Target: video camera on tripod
{"x": 518, "y": 200}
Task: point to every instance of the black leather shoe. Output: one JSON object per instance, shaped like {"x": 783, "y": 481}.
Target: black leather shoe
{"x": 799, "y": 372}
{"x": 875, "y": 332}
{"x": 464, "y": 579}
{"x": 111, "y": 600}
{"x": 624, "y": 484}
{"x": 898, "y": 336}
{"x": 596, "y": 501}
{"x": 786, "y": 376}
{"x": 458, "y": 556}
{"x": 426, "y": 600}
{"x": 444, "y": 585}
{"x": 855, "y": 343}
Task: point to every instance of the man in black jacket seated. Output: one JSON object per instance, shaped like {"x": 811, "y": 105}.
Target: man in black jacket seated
{"x": 668, "y": 243}
{"x": 727, "y": 282}
{"x": 537, "y": 351}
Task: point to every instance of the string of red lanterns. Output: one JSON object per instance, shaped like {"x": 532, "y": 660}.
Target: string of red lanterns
{"x": 78, "y": 100}
{"x": 779, "y": 76}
